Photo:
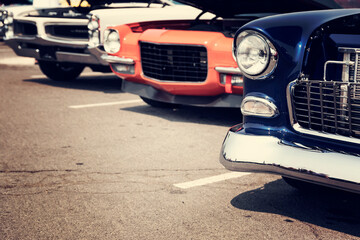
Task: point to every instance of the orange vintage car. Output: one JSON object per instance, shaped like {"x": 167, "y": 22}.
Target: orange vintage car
{"x": 186, "y": 62}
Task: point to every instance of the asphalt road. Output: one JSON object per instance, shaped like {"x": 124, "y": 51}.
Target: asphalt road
{"x": 120, "y": 169}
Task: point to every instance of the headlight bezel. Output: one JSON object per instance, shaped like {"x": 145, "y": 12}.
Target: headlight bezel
{"x": 259, "y": 106}
{"x": 272, "y": 59}
{"x": 107, "y": 44}
{"x": 93, "y": 19}
{"x": 8, "y": 25}
{"x": 94, "y": 30}
{"x": 2, "y": 15}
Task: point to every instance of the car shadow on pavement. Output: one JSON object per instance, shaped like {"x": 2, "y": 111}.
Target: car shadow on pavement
{"x": 332, "y": 209}
{"x": 203, "y": 115}
{"x": 100, "y": 83}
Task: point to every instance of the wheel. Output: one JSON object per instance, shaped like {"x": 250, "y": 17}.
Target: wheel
{"x": 159, "y": 104}
{"x": 60, "y": 71}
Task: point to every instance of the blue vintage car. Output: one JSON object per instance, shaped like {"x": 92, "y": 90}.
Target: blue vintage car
{"x": 301, "y": 106}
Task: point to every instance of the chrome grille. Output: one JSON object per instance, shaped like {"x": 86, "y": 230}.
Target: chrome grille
{"x": 182, "y": 63}
{"x": 328, "y": 106}
{"x": 70, "y": 31}
{"x": 351, "y": 73}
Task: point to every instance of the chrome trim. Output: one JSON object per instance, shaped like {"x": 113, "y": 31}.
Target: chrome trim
{"x": 262, "y": 100}
{"x": 349, "y": 50}
{"x": 289, "y": 90}
{"x": 66, "y": 23}
{"x": 91, "y": 18}
{"x": 94, "y": 17}
{"x": 41, "y": 24}
{"x": 299, "y": 129}
{"x": 97, "y": 52}
{"x": 239, "y": 152}
{"x": 346, "y": 69}
{"x": 233, "y": 51}
{"x": 346, "y": 63}
{"x": 85, "y": 58}
{"x": 273, "y": 59}
{"x": 115, "y": 59}
{"x": 75, "y": 57}
{"x": 228, "y": 70}
{"x": 26, "y": 21}
{"x": 73, "y": 42}
{"x": 64, "y": 39}
{"x": 168, "y": 81}
{"x": 175, "y": 44}
{"x": 47, "y": 41}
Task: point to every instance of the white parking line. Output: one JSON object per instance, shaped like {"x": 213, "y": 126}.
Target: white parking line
{"x": 106, "y": 104}
{"x": 23, "y": 61}
{"x": 208, "y": 180}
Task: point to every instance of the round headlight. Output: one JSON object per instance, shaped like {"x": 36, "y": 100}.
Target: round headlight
{"x": 94, "y": 38}
{"x": 93, "y": 25}
{"x": 9, "y": 20}
{"x": 94, "y": 22}
{"x": 111, "y": 41}
{"x": 255, "y": 55}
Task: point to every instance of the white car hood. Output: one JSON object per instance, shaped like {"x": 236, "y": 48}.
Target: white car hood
{"x": 114, "y": 17}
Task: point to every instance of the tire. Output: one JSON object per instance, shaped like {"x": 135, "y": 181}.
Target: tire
{"x": 159, "y": 104}
{"x": 60, "y": 71}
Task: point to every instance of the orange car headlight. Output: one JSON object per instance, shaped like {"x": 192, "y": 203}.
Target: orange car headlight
{"x": 111, "y": 41}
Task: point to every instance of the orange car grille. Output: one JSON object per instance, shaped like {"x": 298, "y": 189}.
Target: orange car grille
{"x": 180, "y": 63}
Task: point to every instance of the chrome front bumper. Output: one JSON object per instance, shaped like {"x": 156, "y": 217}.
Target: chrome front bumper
{"x": 36, "y": 47}
{"x": 268, "y": 154}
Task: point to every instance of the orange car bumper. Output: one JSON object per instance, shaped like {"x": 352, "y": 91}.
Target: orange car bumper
{"x": 222, "y": 79}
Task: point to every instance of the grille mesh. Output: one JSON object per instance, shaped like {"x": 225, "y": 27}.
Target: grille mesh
{"x": 24, "y": 28}
{"x": 174, "y": 62}
{"x": 73, "y": 31}
{"x": 328, "y": 106}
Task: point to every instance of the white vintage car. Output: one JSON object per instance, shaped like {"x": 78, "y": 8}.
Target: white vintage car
{"x": 16, "y": 7}
{"x": 59, "y": 37}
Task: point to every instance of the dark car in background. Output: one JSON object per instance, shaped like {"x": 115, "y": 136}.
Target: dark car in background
{"x": 301, "y": 102}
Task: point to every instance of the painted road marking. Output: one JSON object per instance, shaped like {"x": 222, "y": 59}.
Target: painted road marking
{"x": 86, "y": 74}
{"x": 213, "y": 179}
{"x": 106, "y": 104}
{"x": 17, "y": 61}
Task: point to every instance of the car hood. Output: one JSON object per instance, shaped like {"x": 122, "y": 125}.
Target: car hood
{"x": 95, "y": 3}
{"x": 230, "y": 8}
{"x": 77, "y": 10}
